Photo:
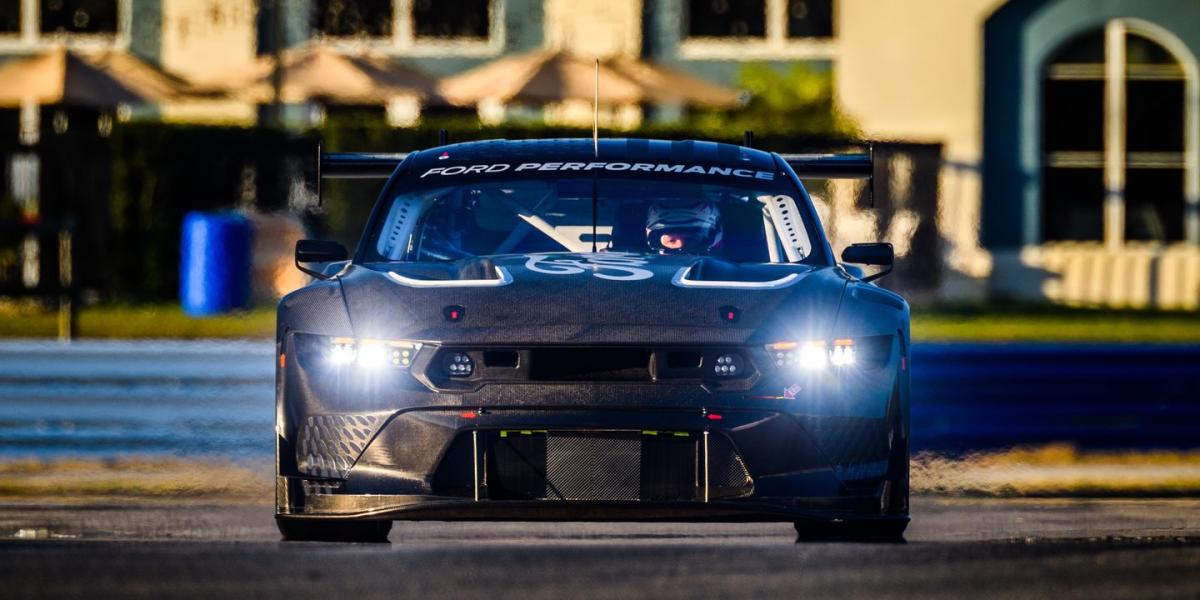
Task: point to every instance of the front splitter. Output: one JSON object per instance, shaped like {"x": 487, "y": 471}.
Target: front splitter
{"x": 440, "y": 508}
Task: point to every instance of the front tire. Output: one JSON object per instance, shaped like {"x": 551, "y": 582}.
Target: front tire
{"x": 331, "y": 530}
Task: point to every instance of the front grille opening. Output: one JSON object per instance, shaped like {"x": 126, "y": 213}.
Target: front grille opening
{"x": 589, "y": 364}
{"x": 592, "y": 465}
{"x": 456, "y": 472}
{"x": 684, "y": 360}
{"x": 646, "y": 465}
{"x": 505, "y": 359}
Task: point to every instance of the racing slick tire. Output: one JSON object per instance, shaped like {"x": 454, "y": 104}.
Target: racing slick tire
{"x": 331, "y": 530}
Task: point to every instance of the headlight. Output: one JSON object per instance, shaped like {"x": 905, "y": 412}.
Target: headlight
{"x": 813, "y": 355}
{"x": 371, "y": 354}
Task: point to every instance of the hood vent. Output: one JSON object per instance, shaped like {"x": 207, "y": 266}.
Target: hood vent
{"x": 716, "y": 274}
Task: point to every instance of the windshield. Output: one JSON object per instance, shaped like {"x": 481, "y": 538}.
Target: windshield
{"x": 740, "y": 223}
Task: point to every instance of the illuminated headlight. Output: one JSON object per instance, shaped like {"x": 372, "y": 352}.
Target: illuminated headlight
{"x": 342, "y": 352}
{"x": 814, "y": 355}
{"x": 842, "y": 353}
{"x": 372, "y": 354}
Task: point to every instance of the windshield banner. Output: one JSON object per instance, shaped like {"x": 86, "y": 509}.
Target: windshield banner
{"x": 600, "y": 166}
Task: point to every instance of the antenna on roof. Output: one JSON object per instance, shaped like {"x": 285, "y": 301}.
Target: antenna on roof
{"x": 748, "y": 138}
{"x": 318, "y": 173}
{"x": 443, "y": 137}
{"x": 596, "y": 114}
{"x": 595, "y": 152}
{"x": 871, "y": 181}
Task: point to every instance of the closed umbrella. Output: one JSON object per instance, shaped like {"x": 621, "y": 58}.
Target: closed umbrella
{"x": 324, "y": 74}
{"x": 667, "y": 86}
{"x": 540, "y": 77}
{"x": 554, "y": 76}
{"x": 99, "y": 79}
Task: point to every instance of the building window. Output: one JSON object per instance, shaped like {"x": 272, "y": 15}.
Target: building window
{"x": 810, "y": 18}
{"x": 758, "y": 30}
{"x": 414, "y": 27}
{"x": 1115, "y": 164}
{"x": 79, "y": 16}
{"x": 352, "y": 18}
{"x": 727, "y": 18}
{"x": 463, "y": 19}
{"x": 10, "y": 17}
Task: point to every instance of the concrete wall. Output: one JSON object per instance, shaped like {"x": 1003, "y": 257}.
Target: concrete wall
{"x": 913, "y": 71}
{"x": 202, "y": 38}
{"x": 599, "y": 28}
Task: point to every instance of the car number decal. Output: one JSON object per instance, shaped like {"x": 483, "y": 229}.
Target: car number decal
{"x": 614, "y": 266}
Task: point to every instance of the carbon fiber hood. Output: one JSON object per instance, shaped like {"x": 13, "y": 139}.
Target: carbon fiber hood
{"x": 582, "y": 299}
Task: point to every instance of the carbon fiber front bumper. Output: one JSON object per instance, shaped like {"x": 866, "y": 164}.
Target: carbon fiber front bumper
{"x": 588, "y": 465}
{"x": 784, "y": 449}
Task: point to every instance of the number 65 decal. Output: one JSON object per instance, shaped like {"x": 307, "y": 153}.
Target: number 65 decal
{"x": 614, "y": 266}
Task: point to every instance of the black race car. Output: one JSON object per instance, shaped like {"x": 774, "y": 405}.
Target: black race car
{"x": 622, "y": 330}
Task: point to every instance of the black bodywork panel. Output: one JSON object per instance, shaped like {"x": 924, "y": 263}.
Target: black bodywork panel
{"x": 592, "y": 396}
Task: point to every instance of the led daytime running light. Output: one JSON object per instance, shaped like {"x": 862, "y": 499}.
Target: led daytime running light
{"x": 813, "y": 355}
{"x": 373, "y": 354}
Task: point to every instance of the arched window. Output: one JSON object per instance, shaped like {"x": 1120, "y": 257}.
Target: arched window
{"x": 1116, "y": 163}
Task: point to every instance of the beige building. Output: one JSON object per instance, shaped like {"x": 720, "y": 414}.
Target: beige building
{"x": 1070, "y": 129}
{"x": 1071, "y": 137}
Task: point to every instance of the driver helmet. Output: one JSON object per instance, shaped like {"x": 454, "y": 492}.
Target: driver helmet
{"x": 683, "y": 226}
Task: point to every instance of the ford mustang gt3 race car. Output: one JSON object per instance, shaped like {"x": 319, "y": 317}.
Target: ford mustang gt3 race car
{"x": 632, "y": 330}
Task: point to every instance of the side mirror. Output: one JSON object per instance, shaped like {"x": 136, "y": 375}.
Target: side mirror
{"x": 877, "y": 253}
{"x": 314, "y": 257}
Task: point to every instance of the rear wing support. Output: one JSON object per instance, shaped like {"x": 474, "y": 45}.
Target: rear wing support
{"x": 362, "y": 165}
{"x": 355, "y": 165}
{"x": 836, "y": 166}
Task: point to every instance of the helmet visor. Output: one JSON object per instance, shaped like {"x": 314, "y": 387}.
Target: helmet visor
{"x": 683, "y": 239}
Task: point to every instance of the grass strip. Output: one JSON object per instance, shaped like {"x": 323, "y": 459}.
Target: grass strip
{"x": 994, "y": 323}
{"x": 1059, "y": 471}
{"x": 1048, "y": 471}
{"x": 138, "y": 321}
{"x": 138, "y": 477}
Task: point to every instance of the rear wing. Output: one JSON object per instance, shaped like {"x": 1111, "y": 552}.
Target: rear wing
{"x": 357, "y": 165}
{"x": 831, "y": 166}
{"x": 367, "y": 165}
{"x": 836, "y": 166}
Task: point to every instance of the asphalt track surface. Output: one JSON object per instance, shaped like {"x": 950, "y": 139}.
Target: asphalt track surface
{"x": 955, "y": 548}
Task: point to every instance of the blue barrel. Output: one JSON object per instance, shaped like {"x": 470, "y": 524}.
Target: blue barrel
{"x": 214, "y": 270}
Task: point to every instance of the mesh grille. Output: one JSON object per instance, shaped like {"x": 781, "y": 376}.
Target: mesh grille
{"x": 610, "y": 465}
{"x": 593, "y": 466}
{"x": 727, "y": 474}
{"x": 328, "y": 445}
{"x": 858, "y": 448}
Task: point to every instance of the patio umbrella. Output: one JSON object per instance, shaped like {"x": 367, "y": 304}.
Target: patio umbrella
{"x": 540, "y": 77}
{"x": 554, "y": 76}
{"x": 667, "y": 86}
{"x": 324, "y": 74}
{"x": 100, "y": 79}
